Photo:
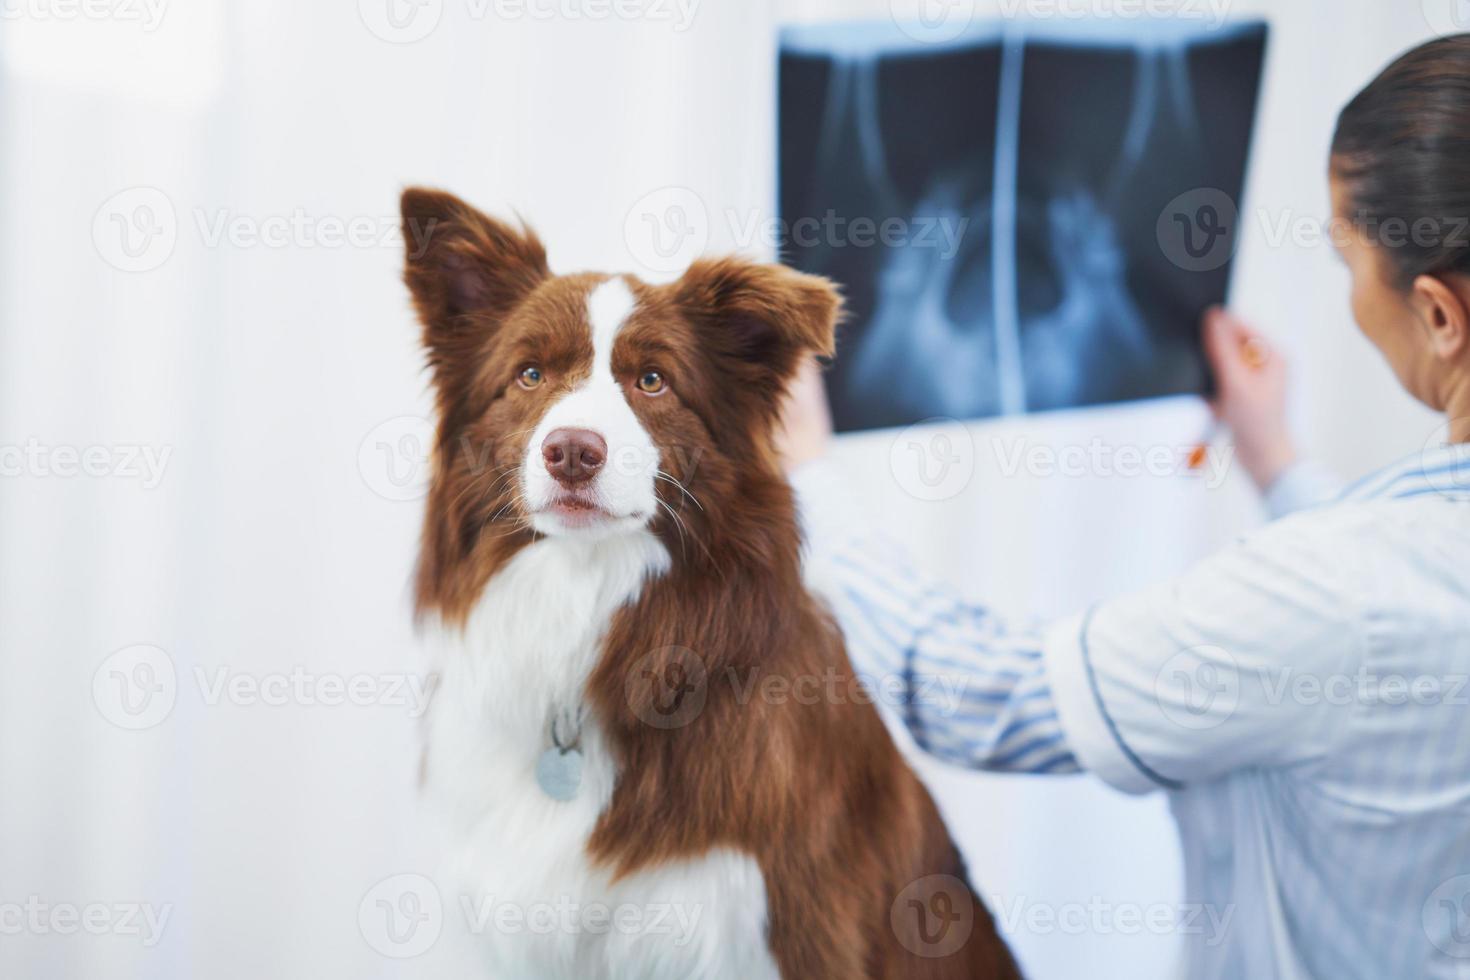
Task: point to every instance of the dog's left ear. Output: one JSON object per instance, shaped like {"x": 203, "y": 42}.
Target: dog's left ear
{"x": 466, "y": 272}
{"x": 760, "y": 321}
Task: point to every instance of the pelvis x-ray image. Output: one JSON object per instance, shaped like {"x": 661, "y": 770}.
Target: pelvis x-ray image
{"x": 998, "y": 208}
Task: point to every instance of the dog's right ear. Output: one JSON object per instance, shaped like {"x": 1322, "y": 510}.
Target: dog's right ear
{"x": 466, "y": 271}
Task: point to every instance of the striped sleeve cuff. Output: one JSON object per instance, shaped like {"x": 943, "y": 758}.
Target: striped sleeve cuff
{"x": 1091, "y": 733}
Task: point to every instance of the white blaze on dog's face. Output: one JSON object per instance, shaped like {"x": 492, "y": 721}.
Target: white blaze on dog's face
{"x": 590, "y": 466}
{"x": 590, "y": 405}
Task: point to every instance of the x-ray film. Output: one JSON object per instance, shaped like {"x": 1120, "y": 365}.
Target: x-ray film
{"x": 1022, "y": 218}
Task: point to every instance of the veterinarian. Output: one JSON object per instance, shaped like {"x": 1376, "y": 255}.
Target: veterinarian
{"x": 1332, "y": 816}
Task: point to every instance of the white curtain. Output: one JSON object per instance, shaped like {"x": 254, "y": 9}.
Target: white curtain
{"x": 210, "y": 395}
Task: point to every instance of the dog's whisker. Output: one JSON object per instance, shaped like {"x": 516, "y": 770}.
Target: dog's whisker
{"x": 678, "y": 526}
{"x": 669, "y": 478}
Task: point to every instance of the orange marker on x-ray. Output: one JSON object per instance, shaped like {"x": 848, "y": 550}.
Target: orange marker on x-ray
{"x": 1254, "y": 352}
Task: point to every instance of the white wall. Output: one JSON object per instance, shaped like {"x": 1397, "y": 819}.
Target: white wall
{"x": 270, "y": 545}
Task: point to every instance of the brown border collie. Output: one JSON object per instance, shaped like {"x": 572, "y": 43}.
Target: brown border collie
{"x": 611, "y": 575}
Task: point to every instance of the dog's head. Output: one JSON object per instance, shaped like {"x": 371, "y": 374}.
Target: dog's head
{"x": 592, "y": 405}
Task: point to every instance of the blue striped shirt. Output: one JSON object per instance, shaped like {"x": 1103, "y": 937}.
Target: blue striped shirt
{"x": 1304, "y": 698}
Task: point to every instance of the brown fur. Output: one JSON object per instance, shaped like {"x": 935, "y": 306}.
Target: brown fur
{"x": 803, "y": 778}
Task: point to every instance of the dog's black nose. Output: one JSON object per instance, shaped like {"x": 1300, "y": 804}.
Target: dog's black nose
{"x": 573, "y": 455}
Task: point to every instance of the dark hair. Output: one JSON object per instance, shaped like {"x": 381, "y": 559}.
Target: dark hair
{"x": 1403, "y": 149}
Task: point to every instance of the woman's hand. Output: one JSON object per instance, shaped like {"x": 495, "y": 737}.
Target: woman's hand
{"x": 805, "y": 427}
{"x": 1250, "y": 398}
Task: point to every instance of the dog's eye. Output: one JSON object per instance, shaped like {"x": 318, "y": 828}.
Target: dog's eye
{"x": 651, "y": 383}
{"x": 530, "y": 377}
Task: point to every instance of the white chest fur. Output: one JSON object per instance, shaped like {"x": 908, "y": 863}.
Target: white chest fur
{"x": 538, "y": 907}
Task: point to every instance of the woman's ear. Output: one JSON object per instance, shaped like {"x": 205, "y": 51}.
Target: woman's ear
{"x": 1443, "y": 308}
{"x": 466, "y": 271}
